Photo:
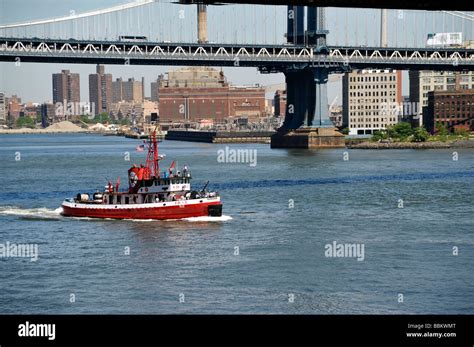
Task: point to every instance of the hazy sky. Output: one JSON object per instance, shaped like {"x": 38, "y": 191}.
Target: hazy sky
{"x": 163, "y": 21}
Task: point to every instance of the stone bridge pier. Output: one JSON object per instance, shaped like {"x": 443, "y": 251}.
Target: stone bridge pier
{"x": 307, "y": 123}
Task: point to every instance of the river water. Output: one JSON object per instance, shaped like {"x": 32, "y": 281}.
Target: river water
{"x": 410, "y": 211}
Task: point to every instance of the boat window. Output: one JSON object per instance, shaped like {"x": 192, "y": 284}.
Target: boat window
{"x": 119, "y": 199}
{"x": 127, "y": 200}
{"x": 148, "y": 183}
{"x": 111, "y": 199}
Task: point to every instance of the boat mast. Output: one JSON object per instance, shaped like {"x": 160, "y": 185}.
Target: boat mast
{"x": 156, "y": 168}
{"x": 153, "y": 169}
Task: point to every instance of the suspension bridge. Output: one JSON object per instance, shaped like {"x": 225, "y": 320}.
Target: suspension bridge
{"x": 306, "y": 44}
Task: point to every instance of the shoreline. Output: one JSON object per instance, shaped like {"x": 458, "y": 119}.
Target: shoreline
{"x": 42, "y": 131}
{"x": 412, "y": 145}
{"x": 350, "y": 143}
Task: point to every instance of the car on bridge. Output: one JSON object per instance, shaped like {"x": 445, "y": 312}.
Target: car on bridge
{"x": 128, "y": 38}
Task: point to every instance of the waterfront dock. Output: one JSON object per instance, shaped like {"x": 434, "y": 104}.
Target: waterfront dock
{"x": 220, "y": 136}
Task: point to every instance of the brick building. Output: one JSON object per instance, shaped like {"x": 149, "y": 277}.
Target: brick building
{"x": 454, "y": 109}
{"x": 14, "y": 108}
{"x": 422, "y": 82}
{"x": 192, "y": 94}
{"x": 3, "y": 109}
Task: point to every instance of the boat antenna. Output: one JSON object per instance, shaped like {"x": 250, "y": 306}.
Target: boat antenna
{"x": 205, "y": 186}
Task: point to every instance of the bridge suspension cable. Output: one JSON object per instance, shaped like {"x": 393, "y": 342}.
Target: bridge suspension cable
{"x": 73, "y": 16}
{"x": 460, "y": 14}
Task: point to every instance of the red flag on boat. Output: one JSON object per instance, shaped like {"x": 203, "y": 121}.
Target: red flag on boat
{"x": 117, "y": 184}
{"x": 173, "y": 164}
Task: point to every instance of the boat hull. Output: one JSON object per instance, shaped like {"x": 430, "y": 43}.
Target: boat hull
{"x": 159, "y": 211}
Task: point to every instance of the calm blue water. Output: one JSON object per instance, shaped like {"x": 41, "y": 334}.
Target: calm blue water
{"x": 281, "y": 249}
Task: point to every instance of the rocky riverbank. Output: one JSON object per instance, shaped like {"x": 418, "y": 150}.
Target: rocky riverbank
{"x": 411, "y": 145}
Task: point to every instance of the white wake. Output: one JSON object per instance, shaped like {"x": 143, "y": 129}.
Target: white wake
{"x": 208, "y": 219}
{"x": 41, "y": 212}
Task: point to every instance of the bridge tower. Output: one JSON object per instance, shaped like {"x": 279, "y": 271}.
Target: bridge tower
{"x": 295, "y": 25}
{"x": 307, "y": 123}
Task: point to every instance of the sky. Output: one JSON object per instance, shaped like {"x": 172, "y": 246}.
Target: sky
{"x": 164, "y": 21}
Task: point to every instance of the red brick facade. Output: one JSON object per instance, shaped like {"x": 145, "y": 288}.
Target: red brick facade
{"x": 217, "y": 103}
{"x": 453, "y": 109}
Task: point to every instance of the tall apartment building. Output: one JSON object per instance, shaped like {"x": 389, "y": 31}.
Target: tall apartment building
{"x": 3, "y": 109}
{"x": 100, "y": 90}
{"x": 66, "y": 87}
{"x": 131, "y": 90}
{"x": 422, "y": 82}
{"x": 371, "y": 100}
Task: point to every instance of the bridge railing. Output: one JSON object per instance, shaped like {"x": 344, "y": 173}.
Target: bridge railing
{"x": 212, "y": 54}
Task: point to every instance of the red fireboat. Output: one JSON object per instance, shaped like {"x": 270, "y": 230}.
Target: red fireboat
{"x": 150, "y": 195}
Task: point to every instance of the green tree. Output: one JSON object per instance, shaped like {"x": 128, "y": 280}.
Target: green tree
{"x": 87, "y": 119}
{"x": 441, "y": 132}
{"x": 401, "y": 131}
{"x": 25, "y": 122}
{"x": 102, "y": 118}
{"x": 441, "y": 129}
{"x": 420, "y": 134}
{"x": 380, "y": 135}
{"x": 125, "y": 121}
{"x": 345, "y": 131}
